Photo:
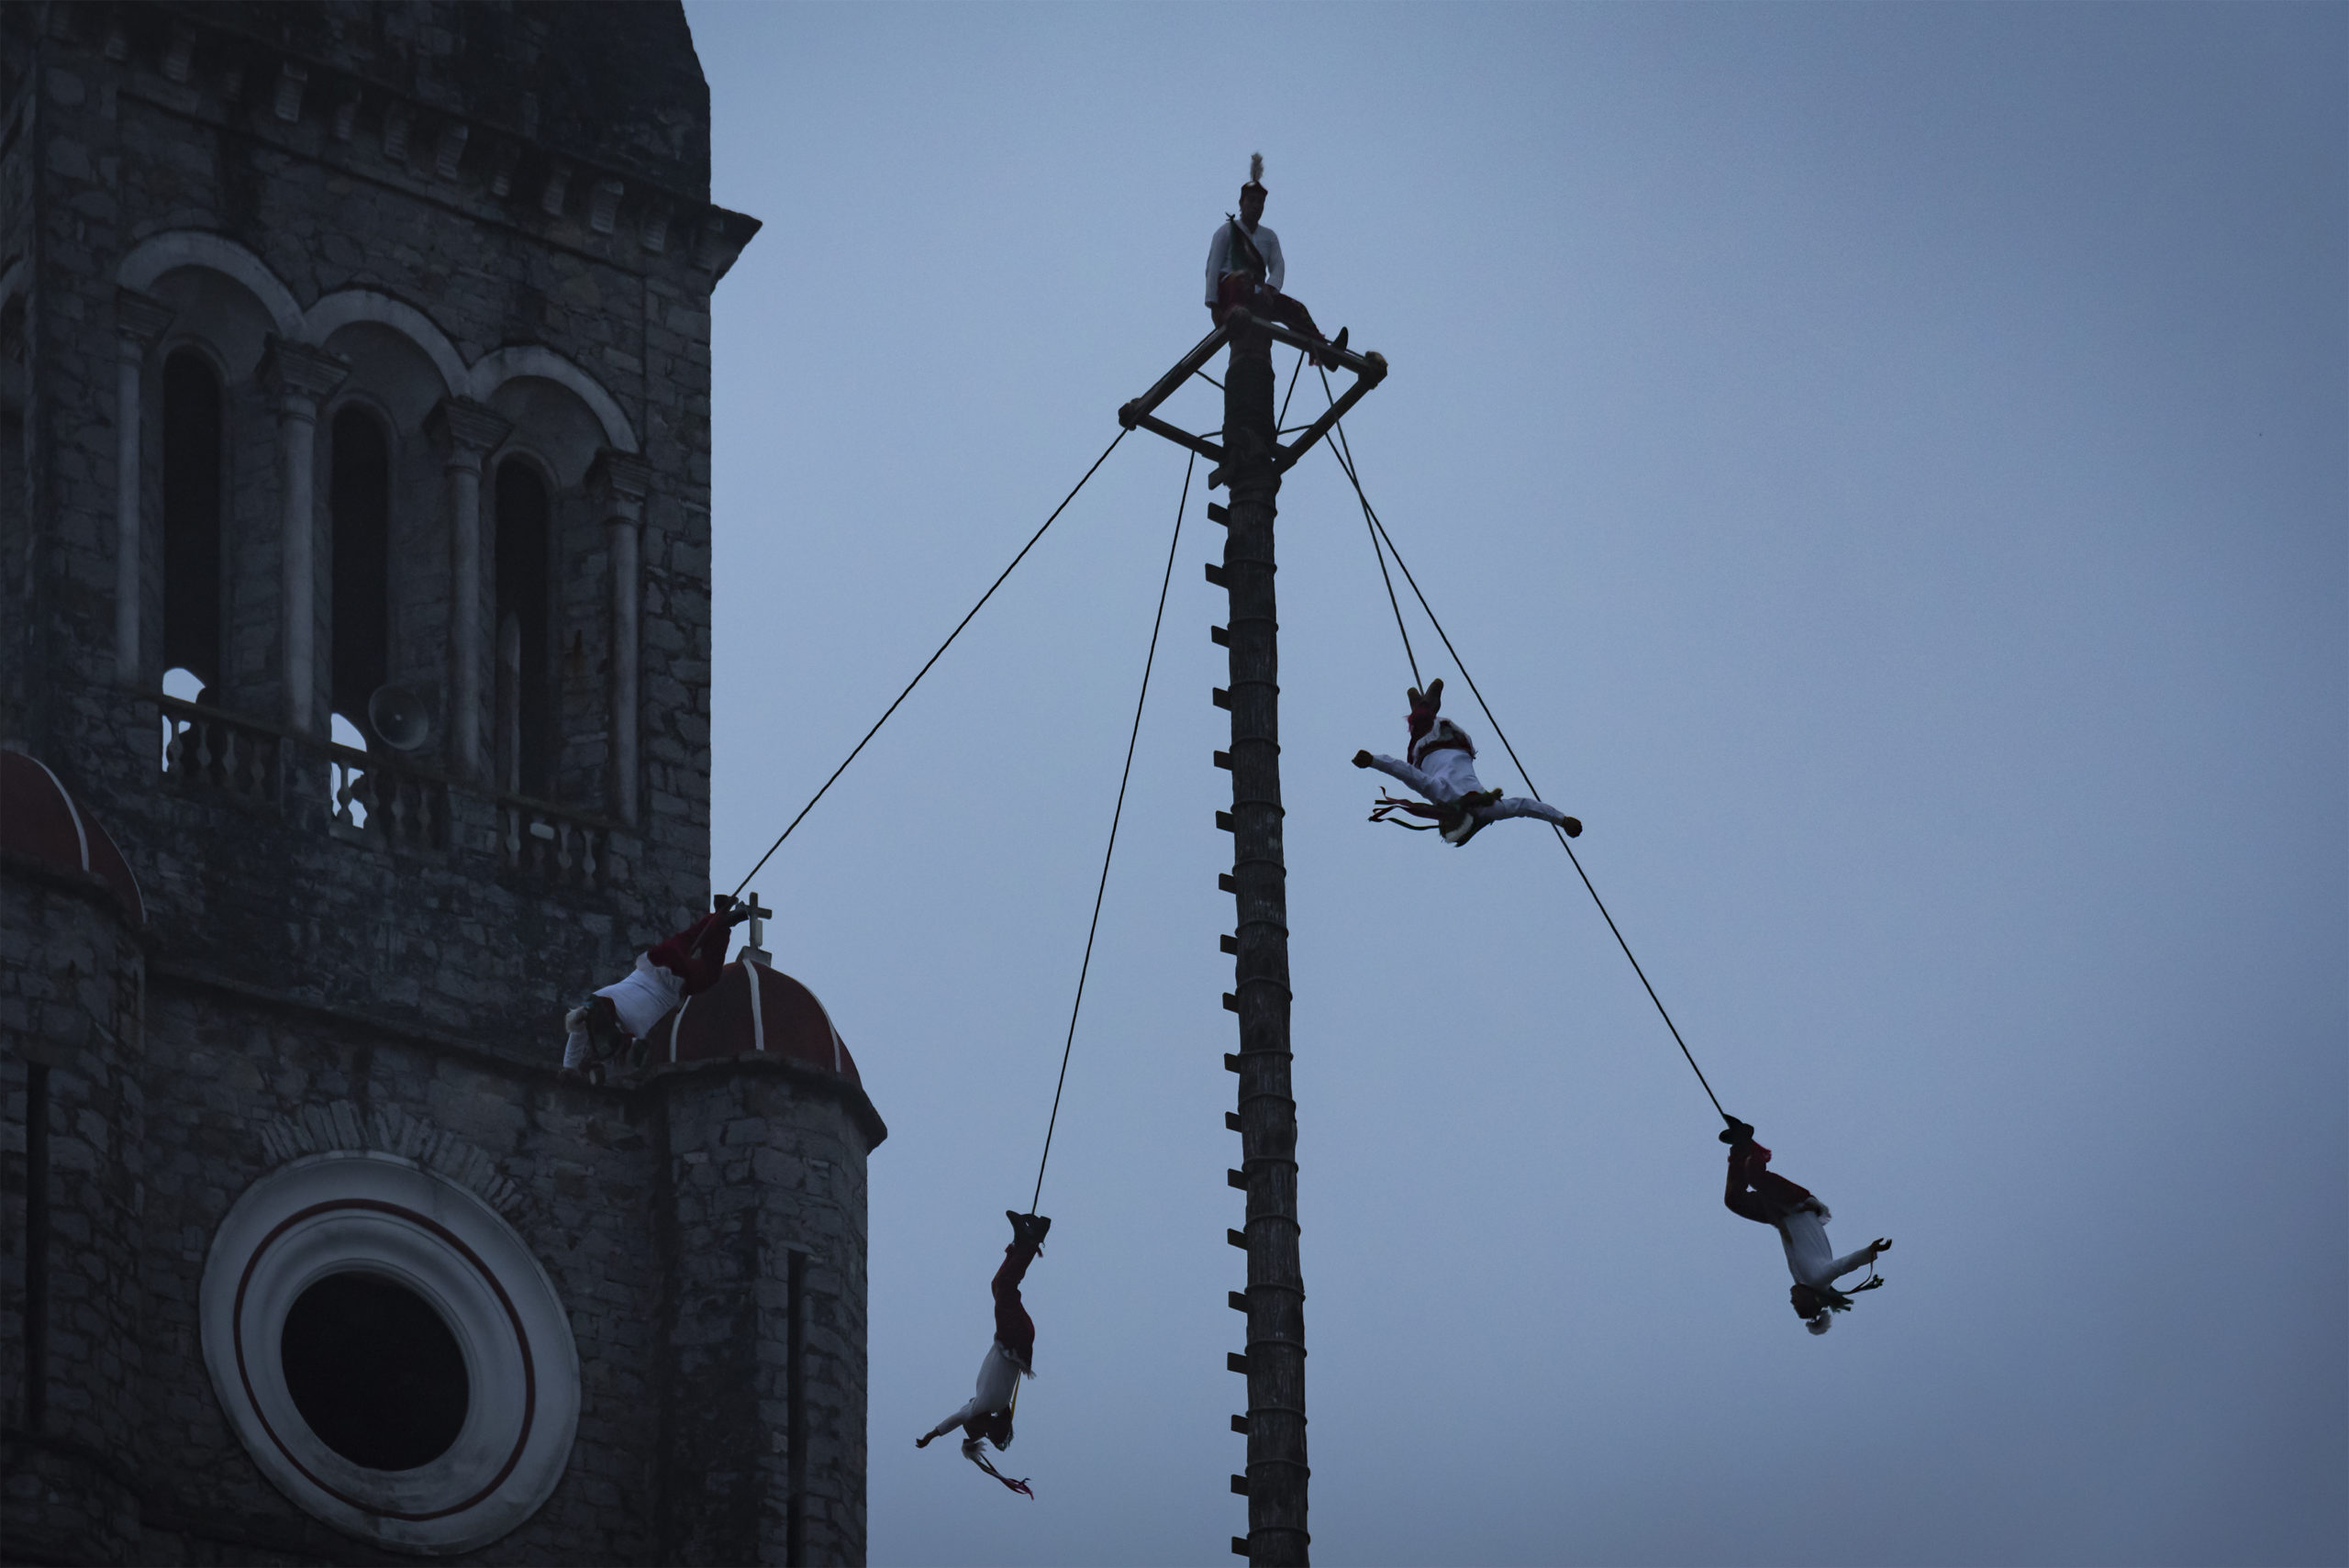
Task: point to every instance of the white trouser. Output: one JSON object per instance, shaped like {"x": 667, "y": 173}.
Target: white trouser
{"x": 998, "y": 1377}
{"x": 1452, "y": 773}
{"x": 1523, "y": 805}
{"x": 1810, "y": 1257}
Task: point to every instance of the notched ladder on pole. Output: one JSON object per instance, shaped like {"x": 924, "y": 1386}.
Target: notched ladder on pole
{"x": 1250, "y": 460}
{"x": 1369, "y": 369}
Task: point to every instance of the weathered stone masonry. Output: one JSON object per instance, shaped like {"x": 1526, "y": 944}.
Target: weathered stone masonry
{"x": 484, "y": 230}
{"x": 366, "y": 204}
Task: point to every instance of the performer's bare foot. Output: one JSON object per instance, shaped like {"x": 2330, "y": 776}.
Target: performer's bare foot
{"x": 1362, "y": 759}
{"x": 1573, "y": 826}
{"x": 923, "y": 1441}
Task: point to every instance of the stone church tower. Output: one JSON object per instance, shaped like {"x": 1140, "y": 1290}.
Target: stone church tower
{"x": 354, "y": 721}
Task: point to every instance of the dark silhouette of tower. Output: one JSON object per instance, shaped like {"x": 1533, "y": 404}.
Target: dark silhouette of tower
{"x": 354, "y": 677}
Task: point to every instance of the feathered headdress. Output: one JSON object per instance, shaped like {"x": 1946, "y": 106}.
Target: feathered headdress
{"x": 1255, "y": 172}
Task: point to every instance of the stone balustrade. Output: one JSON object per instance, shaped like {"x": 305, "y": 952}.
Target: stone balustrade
{"x": 543, "y": 839}
{"x": 378, "y": 801}
{"x": 371, "y": 799}
{"x": 205, "y": 750}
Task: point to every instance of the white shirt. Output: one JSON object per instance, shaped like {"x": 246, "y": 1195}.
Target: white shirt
{"x": 1219, "y": 258}
{"x": 998, "y": 1377}
{"x": 1451, "y": 771}
{"x": 644, "y": 995}
{"x": 1810, "y": 1257}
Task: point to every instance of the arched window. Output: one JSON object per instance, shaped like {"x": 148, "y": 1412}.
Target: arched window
{"x": 526, "y": 740}
{"x": 192, "y": 488}
{"x": 359, "y": 501}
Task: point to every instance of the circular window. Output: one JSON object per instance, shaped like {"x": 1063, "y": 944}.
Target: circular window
{"x": 390, "y": 1351}
{"x": 374, "y": 1372}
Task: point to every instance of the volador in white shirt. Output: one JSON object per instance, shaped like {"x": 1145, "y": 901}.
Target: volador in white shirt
{"x": 1221, "y": 260}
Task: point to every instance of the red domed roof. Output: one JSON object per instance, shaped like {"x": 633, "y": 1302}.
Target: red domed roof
{"x": 40, "y": 819}
{"x": 778, "y": 1017}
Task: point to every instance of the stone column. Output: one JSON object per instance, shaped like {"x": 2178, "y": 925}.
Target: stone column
{"x": 300, "y": 376}
{"x": 466, "y": 433}
{"x": 138, "y": 322}
{"x": 620, "y": 482}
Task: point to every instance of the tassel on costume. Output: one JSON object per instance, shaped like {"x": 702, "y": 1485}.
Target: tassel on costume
{"x": 1384, "y": 811}
{"x": 970, "y": 1451}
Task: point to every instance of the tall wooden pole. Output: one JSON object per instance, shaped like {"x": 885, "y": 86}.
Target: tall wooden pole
{"x": 1275, "y": 1360}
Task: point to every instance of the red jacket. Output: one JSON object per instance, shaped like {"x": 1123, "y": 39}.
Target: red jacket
{"x": 1432, "y": 733}
{"x": 1757, "y": 1193}
{"x": 697, "y": 954}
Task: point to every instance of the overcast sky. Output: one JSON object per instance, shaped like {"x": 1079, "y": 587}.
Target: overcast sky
{"x": 1885, "y": 466}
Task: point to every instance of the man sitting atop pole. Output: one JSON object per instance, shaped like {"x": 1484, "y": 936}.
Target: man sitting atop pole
{"x": 1757, "y": 1193}
{"x": 1442, "y": 767}
{"x": 1011, "y": 1357}
{"x": 1245, "y": 269}
{"x": 684, "y": 965}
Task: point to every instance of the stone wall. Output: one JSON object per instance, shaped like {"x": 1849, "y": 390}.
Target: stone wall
{"x": 666, "y": 1217}
{"x": 238, "y": 1091}
{"x": 19, "y": 648}
{"x": 70, "y": 977}
{"x": 755, "y": 1170}
{"x": 492, "y": 215}
{"x": 155, "y": 120}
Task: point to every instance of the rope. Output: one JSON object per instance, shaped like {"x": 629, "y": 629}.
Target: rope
{"x": 932, "y": 660}
{"x": 1291, "y": 391}
{"x": 1343, "y": 452}
{"x": 1298, "y": 369}
{"x": 1102, "y": 890}
{"x": 1369, "y": 524}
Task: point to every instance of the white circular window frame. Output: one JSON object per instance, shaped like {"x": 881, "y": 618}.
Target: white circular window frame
{"x": 366, "y": 1212}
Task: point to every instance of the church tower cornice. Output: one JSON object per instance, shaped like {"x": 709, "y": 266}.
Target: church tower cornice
{"x": 224, "y": 65}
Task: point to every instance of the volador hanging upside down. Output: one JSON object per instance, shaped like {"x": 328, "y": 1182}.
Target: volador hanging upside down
{"x": 986, "y": 1414}
{"x": 1442, "y": 767}
{"x": 1759, "y": 1193}
{"x": 617, "y": 1017}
